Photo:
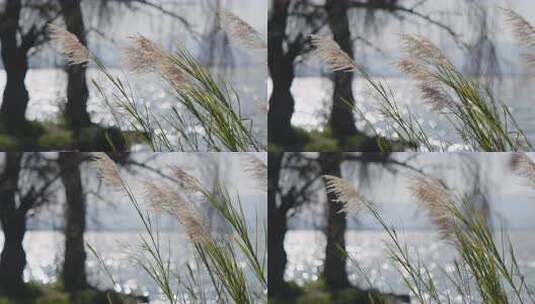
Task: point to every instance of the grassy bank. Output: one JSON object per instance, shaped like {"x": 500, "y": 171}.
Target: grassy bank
{"x": 324, "y": 140}
{"x": 36, "y": 293}
{"x": 316, "y": 292}
{"x": 50, "y": 136}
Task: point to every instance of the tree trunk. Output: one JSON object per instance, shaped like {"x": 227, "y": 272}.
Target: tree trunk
{"x": 13, "y": 259}
{"x": 13, "y": 221}
{"x": 281, "y": 70}
{"x": 281, "y": 105}
{"x": 77, "y": 91}
{"x": 15, "y": 59}
{"x": 277, "y": 217}
{"x": 342, "y": 120}
{"x": 334, "y": 270}
{"x": 74, "y": 276}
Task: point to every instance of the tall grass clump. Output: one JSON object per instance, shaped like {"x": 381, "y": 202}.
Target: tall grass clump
{"x": 484, "y": 270}
{"x": 233, "y": 263}
{"x": 481, "y": 122}
{"x": 206, "y": 113}
{"x": 407, "y": 128}
{"x": 469, "y": 105}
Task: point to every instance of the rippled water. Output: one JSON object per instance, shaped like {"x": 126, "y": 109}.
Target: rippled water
{"x": 44, "y": 250}
{"x": 313, "y": 99}
{"x": 47, "y": 90}
{"x": 305, "y": 251}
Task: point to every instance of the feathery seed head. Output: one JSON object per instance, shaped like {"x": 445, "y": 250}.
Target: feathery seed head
{"x": 330, "y": 52}
{"x": 420, "y": 54}
{"x": 421, "y": 49}
{"x": 524, "y": 33}
{"x": 346, "y": 194}
{"x": 434, "y": 95}
{"x": 433, "y": 196}
{"x": 173, "y": 74}
{"x": 160, "y": 198}
{"x": 186, "y": 181}
{"x": 523, "y": 30}
{"x": 70, "y": 47}
{"x": 409, "y": 66}
{"x": 241, "y": 31}
{"x": 143, "y": 55}
{"x": 414, "y": 68}
{"x": 257, "y": 169}
{"x": 522, "y": 165}
{"x": 107, "y": 170}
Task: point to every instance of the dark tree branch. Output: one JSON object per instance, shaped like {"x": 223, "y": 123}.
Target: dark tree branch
{"x": 392, "y": 6}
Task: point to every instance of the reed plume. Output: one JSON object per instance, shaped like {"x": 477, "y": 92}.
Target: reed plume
{"x": 419, "y": 52}
{"x": 107, "y": 170}
{"x": 70, "y": 47}
{"x": 524, "y": 33}
{"x": 420, "y": 48}
{"x": 524, "y": 166}
{"x": 160, "y": 198}
{"x": 257, "y": 169}
{"x": 433, "y": 196}
{"x": 241, "y": 31}
{"x": 142, "y": 55}
{"x": 330, "y": 52}
{"x": 437, "y": 98}
{"x": 210, "y": 103}
{"x": 346, "y": 194}
{"x": 523, "y": 30}
{"x": 414, "y": 68}
{"x": 145, "y": 56}
{"x": 409, "y": 131}
{"x": 186, "y": 181}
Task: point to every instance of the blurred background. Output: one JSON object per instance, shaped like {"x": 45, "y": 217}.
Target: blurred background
{"x": 306, "y": 225}
{"x": 57, "y": 95}
{"x": 305, "y": 96}
{"x": 59, "y": 194}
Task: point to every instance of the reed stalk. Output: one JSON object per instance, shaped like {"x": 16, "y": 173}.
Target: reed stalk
{"x": 484, "y": 269}
{"x": 226, "y": 260}
{"x": 480, "y": 120}
{"x": 206, "y": 113}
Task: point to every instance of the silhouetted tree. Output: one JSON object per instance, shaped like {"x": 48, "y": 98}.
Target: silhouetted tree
{"x": 341, "y": 120}
{"x": 284, "y": 200}
{"x": 277, "y": 225}
{"x": 285, "y": 45}
{"x": 334, "y": 270}
{"x": 23, "y": 28}
{"x": 15, "y": 204}
{"x": 18, "y": 37}
{"x": 13, "y": 220}
{"x": 301, "y": 175}
{"x": 73, "y": 271}
{"x": 290, "y": 23}
{"x": 77, "y": 91}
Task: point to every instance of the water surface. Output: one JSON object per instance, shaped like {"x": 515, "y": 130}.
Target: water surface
{"x": 306, "y": 251}
{"x": 44, "y": 253}
{"x": 313, "y": 101}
